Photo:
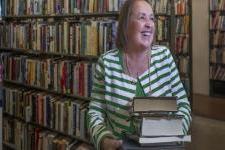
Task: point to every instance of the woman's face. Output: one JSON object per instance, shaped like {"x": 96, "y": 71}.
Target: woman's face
{"x": 141, "y": 27}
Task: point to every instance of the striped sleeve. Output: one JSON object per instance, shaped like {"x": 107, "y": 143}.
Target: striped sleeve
{"x": 179, "y": 91}
{"x": 97, "y": 107}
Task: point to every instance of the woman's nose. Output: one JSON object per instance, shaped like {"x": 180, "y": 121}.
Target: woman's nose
{"x": 149, "y": 23}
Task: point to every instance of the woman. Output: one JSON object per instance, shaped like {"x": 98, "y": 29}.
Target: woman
{"x": 136, "y": 68}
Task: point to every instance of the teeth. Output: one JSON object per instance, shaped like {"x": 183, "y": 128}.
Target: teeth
{"x": 146, "y": 33}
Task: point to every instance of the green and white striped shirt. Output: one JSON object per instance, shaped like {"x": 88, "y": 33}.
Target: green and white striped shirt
{"x": 113, "y": 90}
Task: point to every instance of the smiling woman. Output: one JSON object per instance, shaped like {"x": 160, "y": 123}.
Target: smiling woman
{"x": 136, "y": 68}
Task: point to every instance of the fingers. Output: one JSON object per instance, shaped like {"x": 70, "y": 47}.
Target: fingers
{"x": 117, "y": 143}
{"x": 111, "y": 144}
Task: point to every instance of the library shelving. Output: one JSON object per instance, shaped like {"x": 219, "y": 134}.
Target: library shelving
{"x": 49, "y": 52}
{"x": 181, "y": 39}
{"x": 1, "y": 102}
{"x": 217, "y": 47}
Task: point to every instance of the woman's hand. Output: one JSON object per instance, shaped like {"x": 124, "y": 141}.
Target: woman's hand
{"x": 110, "y": 144}
{"x": 84, "y": 146}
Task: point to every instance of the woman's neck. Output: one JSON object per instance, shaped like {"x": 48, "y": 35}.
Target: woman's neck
{"x": 135, "y": 53}
{"x": 136, "y": 61}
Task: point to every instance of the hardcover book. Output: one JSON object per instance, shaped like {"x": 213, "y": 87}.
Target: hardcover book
{"x": 161, "y": 126}
{"x": 132, "y": 145}
{"x": 160, "y": 141}
{"x": 154, "y": 104}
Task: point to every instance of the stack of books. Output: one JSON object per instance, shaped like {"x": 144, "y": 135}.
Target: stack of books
{"x": 157, "y": 123}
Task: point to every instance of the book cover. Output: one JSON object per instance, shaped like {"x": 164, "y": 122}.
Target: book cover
{"x": 157, "y": 104}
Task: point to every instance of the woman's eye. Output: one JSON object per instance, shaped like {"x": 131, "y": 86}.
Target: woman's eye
{"x": 152, "y": 18}
{"x": 141, "y": 18}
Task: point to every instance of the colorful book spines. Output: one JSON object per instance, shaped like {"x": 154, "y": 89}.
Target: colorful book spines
{"x": 217, "y": 55}
{"x": 181, "y": 7}
{"x": 216, "y": 5}
{"x": 26, "y": 137}
{"x": 217, "y": 21}
{"x": 181, "y": 44}
{"x": 162, "y": 28}
{"x": 182, "y": 25}
{"x": 50, "y": 111}
{"x": 49, "y": 7}
{"x": 217, "y": 72}
{"x": 61, "y": 37}
{"x": 60, "y": 75}
{"x": 161, "y": 6}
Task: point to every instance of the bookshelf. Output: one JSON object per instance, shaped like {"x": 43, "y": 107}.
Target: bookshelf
{"x": 1, "y": 86}
{"x": 216, "y": 45}
{"x": 8, "y": 116}
{"x": 69, "y": 43}
{"x": 182, "y": 42}
{"x": 1, "y": 103}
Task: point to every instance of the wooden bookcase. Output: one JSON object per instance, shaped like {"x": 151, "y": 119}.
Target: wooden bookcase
{"x": 216, "y": 45}
{"x": 173, "y": 28}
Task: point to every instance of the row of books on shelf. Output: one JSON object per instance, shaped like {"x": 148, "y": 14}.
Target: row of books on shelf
{"x": 217, "y": 38}
{"x": 56, "y": 74}
{"x": 182, "y": 25}
{"x": 181, "y": 7}
{"x": 217, "y": 73}
{"x": 183, "y": 64}
{"x": 59, "y": 74}
{"x": 217, "y": 21}
{"x": 217, "y": 4}
{"x": 181, "y": 44}
{"x": 162, "y": 28}
{"x": 26, "y": 137}
{"x": 69, "y": 37}
{"x": 84, "y": 38}
{"x": 161, "y": 6}
{"x": 62, "y": 114}
{"x": 49, "y": 7}
{"x": 217, "y": 55}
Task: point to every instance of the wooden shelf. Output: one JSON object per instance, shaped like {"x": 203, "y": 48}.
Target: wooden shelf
{"x": 217, "y": 46}
{"x": 213, "y": 11}
{"x": 181, "y": 54}
{"x": 75, "y": 16}
{"x": 182, "y": 34}
{"x": 217, "y": 30}
{"x": 162, "y": 14}
{"x": 49, "y": 54}
{"x": 216, "y": 80}
{"x": 217, "y": 64}
{"x": 181, "y": 15}
{"x": 19, "y": 85}
{"x": 9, "y": 145}
{"x": 217, "y": 88}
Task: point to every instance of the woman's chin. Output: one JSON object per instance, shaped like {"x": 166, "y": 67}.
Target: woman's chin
{"x": 145, "y": 46}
